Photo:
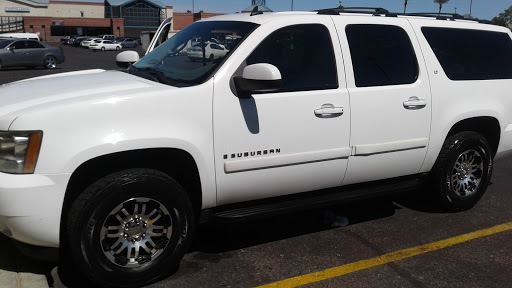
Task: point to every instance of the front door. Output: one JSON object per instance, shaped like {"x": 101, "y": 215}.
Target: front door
{"x": 290, "y": 141}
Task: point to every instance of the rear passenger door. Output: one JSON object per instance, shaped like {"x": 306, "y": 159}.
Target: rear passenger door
{"x": 389, "y": 97}
{"x": 35, "y": 52}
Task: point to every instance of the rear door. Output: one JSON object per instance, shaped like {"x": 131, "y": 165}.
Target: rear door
{"x": 389, "y": 97}
{"x": 109, "y": 45}
{"x": 35, "y": 52}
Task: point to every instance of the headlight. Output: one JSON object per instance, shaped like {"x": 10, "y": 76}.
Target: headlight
{"x": 19, "y": 151}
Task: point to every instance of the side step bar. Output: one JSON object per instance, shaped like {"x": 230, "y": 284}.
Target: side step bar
{"x": 307, "y": 201}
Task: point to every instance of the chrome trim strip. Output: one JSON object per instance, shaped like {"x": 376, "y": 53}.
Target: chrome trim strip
{"x": 370, "y": 149}
{"x": 285, "y": 160}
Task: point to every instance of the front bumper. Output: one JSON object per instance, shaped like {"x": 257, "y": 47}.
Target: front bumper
{"x": 30, "y": 207}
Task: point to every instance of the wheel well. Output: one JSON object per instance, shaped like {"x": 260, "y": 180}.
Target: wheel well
{"x": 176, "y": 163}
{"x": 489, "y": 127}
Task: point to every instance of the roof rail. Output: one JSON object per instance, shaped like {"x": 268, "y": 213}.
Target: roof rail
{"x": 382, "y": 11}
{"x": 363, "y": 10}
{"x": 440, "y": 16}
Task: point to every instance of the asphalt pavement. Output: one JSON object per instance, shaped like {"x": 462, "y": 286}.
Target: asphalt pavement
{"x": 257, "y": 253}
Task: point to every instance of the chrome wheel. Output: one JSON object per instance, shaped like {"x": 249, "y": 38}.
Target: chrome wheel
{"x": 137, "y": 231}
{"x": 50, "y": 62}
{"x": 467, "y": 173}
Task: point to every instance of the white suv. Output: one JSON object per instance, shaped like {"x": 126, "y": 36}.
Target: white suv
{"x": 117, "y": 168}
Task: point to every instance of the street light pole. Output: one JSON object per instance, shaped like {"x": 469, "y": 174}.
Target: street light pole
{"x": 192, "y": 6}
{"x": 470, "y": 7}
{"x": 292, "y": 5}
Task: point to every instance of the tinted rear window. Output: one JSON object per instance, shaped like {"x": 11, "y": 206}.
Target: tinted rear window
{"x": 471, "y": 54}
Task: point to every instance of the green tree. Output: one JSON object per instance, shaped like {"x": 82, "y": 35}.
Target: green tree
{"x": 504, "y": 19}
{"x": 441, "y": 2}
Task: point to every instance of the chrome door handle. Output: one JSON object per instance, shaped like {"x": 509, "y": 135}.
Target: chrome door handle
{"x": 329, "y": 111}
{"x": 415, "y": 103}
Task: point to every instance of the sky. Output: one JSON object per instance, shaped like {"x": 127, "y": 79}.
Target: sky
{"x": 482, "y": 9}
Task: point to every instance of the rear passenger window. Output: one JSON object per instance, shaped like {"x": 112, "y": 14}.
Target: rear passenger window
{"x": 381, "y": 55}
{"x": 303, "y": 54}
{"x": 471, "y": 54}
{"x": 34, "y": 44}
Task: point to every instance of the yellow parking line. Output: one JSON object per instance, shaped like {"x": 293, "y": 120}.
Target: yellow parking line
{"x": 387, "y": 258}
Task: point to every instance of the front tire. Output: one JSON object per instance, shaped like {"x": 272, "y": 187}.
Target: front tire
{"x": 102, "y": 48}
{"x": 462, "y": 171}
{"x": 130, "y": 228}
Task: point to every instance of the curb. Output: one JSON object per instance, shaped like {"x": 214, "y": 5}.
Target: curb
{"x": 10, "y": 279}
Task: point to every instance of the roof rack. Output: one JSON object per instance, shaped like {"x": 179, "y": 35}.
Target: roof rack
{"x": 381, "y": 11}
{"x": 440, "y": 16}
{"x": 359, "y": 10}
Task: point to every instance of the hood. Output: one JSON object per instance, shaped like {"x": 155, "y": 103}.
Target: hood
{"x": 73, "y": 86}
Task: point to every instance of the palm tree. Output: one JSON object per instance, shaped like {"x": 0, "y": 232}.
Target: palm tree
{"x": 441, "y": 2}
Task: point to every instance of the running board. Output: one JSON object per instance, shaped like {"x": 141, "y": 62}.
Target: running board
{"x": 307, "y": 201}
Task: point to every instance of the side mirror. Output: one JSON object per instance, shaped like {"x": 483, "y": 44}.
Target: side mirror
{"x": 258, "y": 78}
{"x": 124, "y": 59}
{"x": 10, "y": 48}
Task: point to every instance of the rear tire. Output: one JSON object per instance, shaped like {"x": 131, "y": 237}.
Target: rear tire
{"x": 50, "y": 62}
{"x": 102, "y": 48}
{"x": 130, "y": 228}
{"x": 462, "y": 171}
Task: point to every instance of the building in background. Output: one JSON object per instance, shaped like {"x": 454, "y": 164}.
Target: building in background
{"x": 54, "y": 19}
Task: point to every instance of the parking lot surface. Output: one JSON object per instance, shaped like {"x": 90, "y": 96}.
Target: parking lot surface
{"x": 312, "y": 248}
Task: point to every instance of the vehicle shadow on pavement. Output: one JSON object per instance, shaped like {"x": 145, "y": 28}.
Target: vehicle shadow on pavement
{"x": 13, "y": 258}
{"x": 224, "y": 237}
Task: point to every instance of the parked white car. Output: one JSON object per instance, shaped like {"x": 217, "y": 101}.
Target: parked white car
{"x": 211, "y": 51}
{"x": 104, "y": 45}
{"x": 308, "y": 109}
{"x": 86, "y": 43}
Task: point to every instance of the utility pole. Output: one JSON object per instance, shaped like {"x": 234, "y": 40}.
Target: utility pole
{"x": 455, "y": 10}
{"x": 192, "y": 6}
{"x": 405, "y": 6}
{"x": 292, "y": 5}
{"x": 470, "y": 7}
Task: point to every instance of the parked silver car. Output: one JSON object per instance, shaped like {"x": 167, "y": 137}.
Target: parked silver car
{"x": 29, "y": 53}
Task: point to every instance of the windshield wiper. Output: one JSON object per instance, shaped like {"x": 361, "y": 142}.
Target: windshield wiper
{"x": 149, "y": 73}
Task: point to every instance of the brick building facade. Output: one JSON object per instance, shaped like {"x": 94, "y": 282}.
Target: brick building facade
{"x": 53, "y": 19}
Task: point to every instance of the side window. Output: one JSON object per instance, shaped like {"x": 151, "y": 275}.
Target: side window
{"x": 19, "y": 45}
{"x": 107, "y": 42}
{"x": 382, "y": 55}
{"x": 34, "y": 44}
{"x": 303, "y": 54}
{"x": 471, "y": 54}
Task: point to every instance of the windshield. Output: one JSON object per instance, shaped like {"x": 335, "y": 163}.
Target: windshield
{"x": 192, "y": 55}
